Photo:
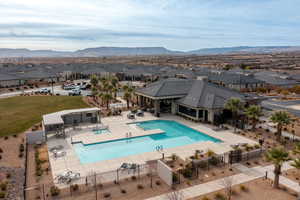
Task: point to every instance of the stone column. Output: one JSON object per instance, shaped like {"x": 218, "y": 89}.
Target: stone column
{"x": 173, "y": 108}
{"x": 156, "y": 107}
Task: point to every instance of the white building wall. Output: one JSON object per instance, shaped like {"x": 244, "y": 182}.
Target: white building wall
{"x": 165, "y": 172}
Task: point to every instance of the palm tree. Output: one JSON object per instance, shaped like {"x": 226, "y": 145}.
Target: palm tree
{"x": 253, "y": 112}
{"x": 296, "y": 163}
{"x": 297, "y": 148}
{"x": 127, "y": 97}
{"x": 107, "y": 98}
{"x": 281, "y": 118}
{"x": 94, "y": 81}
{"x": 277, "y": 156}
{"x": 235, "y": 105}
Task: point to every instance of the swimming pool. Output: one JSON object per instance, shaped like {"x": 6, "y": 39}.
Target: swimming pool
{"x": 175, "y": 134}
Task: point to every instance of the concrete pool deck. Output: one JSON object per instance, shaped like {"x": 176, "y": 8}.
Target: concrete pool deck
{"x": 116, "y": 124}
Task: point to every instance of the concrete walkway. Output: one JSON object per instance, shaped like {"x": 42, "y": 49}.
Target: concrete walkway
{"x": 246, "y": 175}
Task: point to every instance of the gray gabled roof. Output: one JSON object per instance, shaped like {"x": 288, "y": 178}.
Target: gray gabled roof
{"x": 167, "y": 87}
{"x": 229, "y": 78}
{"x": 204, "y": 94}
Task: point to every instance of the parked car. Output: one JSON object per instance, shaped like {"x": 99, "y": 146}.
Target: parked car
{"x": 75, "y": 92}
{"x": 44, "y": 90}
{"x": 69, "y": 87}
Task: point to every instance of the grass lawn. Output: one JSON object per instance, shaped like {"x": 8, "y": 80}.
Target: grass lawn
{"x": 17, "y": 114}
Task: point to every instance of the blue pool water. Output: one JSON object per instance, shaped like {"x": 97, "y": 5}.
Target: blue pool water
{"x": 175, "y": 135}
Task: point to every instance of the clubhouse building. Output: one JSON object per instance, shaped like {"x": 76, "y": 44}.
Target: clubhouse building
{"x": 199, "y": 100}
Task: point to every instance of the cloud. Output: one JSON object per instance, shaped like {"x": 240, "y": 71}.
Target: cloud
{"x": 175, "y": 24}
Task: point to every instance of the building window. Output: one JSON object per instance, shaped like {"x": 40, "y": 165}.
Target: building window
{"x": 188, "y": 111}
{"x": 89, "y": 114}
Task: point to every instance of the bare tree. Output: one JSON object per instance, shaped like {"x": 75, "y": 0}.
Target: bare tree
{"x": 175, "y": 195}
{"x": 227, "y": 182}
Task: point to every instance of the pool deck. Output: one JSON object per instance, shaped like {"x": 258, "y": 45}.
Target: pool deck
{"x": 115, "y": 133}
{"x": 117, "y": 127}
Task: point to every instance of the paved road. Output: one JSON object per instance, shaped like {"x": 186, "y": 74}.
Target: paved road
{"x": 57, "y": 90}
{"x": 281, "y": 105}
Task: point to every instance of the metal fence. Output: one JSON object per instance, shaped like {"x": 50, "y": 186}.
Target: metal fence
{"x": 97, "y": 185}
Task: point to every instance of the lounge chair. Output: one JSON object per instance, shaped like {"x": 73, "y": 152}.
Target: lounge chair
{"x": 140, "y": 113}
{"x": 131, "y": 116}
{"x": 56, "y": 148}
{"x": 58, "y": 154}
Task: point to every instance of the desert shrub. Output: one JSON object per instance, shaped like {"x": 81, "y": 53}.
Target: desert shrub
{"x": 74, "y": 187}
{"x": 39, "y": 172}
{"x": 140, "y": 186}
{"x": 54, "y": 191}
{"x": 175, "y": 178}
{"x": 6, "y": 138}
{"x": 2, "y": 195}
{"x": 3, "y": 186}
{"x": 123, "y": 191}
{"x": 15, "y": 135}
{"x": 1, "y": 150}
{"x": 133, "y": 178}
{"x": 205, "y": 198}
{"x": 21, "y": 148}
{"x": 202, "y": 164}
{"x": 106, "y": 195}
{"x": 213, "y": 161}
{"x": 220, "y": 196}
{"x": 21, "y": 155}
{"x": 157, "y": 182}
{"x": 8, "y": 175}
{"x": 243, "y": 188}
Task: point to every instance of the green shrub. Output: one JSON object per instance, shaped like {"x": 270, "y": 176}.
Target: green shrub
{"x": 106, "y": 195}
{"x": 202, "y": 164}
{"x": 74, "y": 187}
{"x": 2, "y": 195}
{"x": 3, "y": 186}
{"x": 157, "y": 183}
{"x": 54, "y": 191}
{"x": 21, "y": 148}
{"x": 243, "y": 188}
{"x": 219, "y": 196}
{"x": 175, "y": 178}
{"x": 140, "y": 186}
{"x": 213, "y": 161}
{"x": 123, "y": 191}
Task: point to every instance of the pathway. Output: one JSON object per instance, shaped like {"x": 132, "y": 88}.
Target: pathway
{"x": 246, "y": 175}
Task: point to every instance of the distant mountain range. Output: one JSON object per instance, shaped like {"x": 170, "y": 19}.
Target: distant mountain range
{"x": 134, "y": 51}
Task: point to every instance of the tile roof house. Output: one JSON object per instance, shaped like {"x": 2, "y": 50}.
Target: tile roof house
{"x": 199, "y": 100}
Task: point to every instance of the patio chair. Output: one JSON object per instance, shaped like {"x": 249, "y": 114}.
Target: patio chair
{"x": 73, "y": 176}
{"x": 124, "y": 166}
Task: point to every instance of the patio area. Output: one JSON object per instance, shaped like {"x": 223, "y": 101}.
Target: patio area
{"x": 118, "y": 126}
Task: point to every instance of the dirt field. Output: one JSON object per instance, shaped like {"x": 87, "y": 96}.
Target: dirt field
{"x": 259, "y": 189}
{"x": 10, "y": 155}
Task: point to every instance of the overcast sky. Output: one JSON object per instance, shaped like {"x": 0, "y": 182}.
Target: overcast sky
{"x": 174, "y": 24}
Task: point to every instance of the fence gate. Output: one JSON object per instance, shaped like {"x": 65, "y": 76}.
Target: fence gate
{"x": 235, "y": 156}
